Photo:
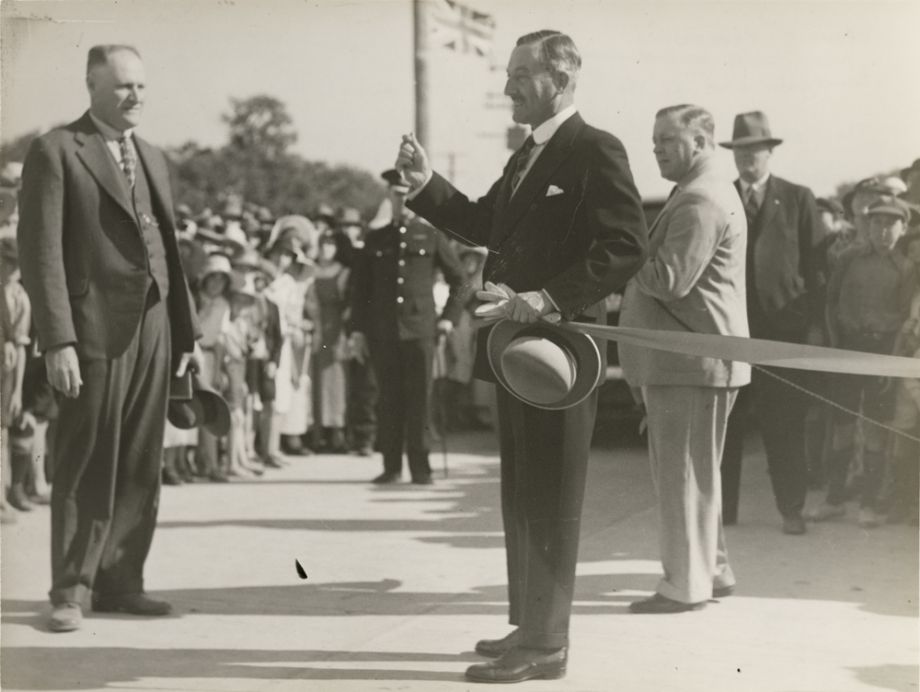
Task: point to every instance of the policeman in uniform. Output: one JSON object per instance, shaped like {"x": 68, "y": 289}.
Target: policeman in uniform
{"x": 395, "y": 322}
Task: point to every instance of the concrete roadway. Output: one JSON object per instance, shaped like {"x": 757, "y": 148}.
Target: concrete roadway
{"x": 401, "y": 581}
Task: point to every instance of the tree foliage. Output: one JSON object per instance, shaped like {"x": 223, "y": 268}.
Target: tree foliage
{"x": 257, "y": 164}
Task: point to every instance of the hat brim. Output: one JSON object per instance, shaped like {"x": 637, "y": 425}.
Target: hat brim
{"x": 582, "y": 347}
{"x": 748, "y": 141}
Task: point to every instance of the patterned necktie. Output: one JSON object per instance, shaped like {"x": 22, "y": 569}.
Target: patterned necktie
{"x": 520, "y": 163}
{"x": 751, "y": 205}
{"x": 128, "y": 159}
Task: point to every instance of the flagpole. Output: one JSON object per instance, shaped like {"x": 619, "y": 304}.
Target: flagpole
{"x": 420, "y": 16}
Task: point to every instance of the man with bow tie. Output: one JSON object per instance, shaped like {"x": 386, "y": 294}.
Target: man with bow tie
{"x": 114, "y": 317}
{"x": 564, "y": 228}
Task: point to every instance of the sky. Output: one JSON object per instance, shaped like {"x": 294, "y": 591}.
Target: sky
{"x": 833, "y": 77}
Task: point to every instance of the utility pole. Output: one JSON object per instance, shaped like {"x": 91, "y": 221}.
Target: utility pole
{"x": 420, "y": 15}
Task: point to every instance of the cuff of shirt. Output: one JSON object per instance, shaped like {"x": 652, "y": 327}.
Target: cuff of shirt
{"x": 417, "y": 191}
{"x": 550, "y": 299}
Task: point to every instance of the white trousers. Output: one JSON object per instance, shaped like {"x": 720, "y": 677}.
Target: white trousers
{"x": 686, "y": 433}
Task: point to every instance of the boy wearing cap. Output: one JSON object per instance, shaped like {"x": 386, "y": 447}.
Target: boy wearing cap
{"x": 868, "y": 299}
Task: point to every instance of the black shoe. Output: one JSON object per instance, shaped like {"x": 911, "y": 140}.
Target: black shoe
{"x": 794, "y": 526}
{"x": 18, "y": 499}
{"x": 661, "y": 605}
{"x": 519, "y": 664}
{"x": 170, "y": 477}
{"x": 493, "y": 648}
{"x": 423, "y": 480}
{"x": 132, "y": 604}
{"x": 364, "y": 451}
{"x": 387, "y": 477}
{"x": 723, "y": 591}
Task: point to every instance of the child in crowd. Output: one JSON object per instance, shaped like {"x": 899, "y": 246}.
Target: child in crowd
{"x": 867, "y": 302}
{"x": 15, "y": 319}
{"x": 213, "y": 308}
{"x": 327, "y": 306}
{"x": 239, "y": 338}
{"x": 905, "y": 452}
{"x": 292, "y": 405}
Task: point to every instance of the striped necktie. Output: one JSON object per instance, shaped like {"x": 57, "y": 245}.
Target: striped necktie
{"x": 128, "y": 159}
{"x": 751, "y": 204}
{"x": 520, "y": 163}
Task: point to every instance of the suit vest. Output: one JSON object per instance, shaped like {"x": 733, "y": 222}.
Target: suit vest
{"x": 150, "y": 233}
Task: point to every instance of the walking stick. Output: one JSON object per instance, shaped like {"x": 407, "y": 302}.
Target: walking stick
{"x": 440, "y": 372}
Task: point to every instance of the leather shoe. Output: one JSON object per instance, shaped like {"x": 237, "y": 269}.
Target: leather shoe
{"x": 132, "y": 604}
{"x": 423, "y": 480}
{"x": 493, "y": 648}
{"x": 65, "y": 617}
{"x": 661, "y": 605}
{"x": 794, "y": 526}
{"x": 519, "y": 664}
{"x": 387, "y": 477}
{"x": 17, "y": 498}
{"x": 723, "y": 591}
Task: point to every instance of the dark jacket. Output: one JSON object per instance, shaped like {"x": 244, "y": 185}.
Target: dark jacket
{"x": 575, "y": 226}
{"x": 392, "y": 280}
{"x": 83, "y": 259}
{"x": 784, "y": 276}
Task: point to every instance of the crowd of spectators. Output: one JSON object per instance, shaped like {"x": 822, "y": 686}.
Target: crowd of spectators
{"x": 273, "y": 296}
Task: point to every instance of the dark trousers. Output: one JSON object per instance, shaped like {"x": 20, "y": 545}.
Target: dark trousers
{"x": 361, "y": 414}
{"x": 544, "y": 460}
{"x": 106, "y": 449}
{"x": 780, "y": 411}
{"x": 403, "y": 370}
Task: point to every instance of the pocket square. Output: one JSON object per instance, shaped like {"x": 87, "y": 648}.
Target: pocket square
{"x": 552, "y": 191}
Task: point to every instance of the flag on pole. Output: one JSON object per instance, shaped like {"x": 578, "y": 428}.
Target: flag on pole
{"x": 461, "y": 28}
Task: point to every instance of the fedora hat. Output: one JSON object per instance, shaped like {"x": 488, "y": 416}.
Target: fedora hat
{"x": 192, "y": 403}
{"x": 751, "y": 128}
{"x": 544, "y": 366}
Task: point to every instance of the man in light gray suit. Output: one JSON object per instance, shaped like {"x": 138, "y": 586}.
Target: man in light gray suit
{"x": 693, "y": 281}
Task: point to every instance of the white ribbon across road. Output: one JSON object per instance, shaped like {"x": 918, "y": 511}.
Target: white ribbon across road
{"x": 777, "y": 354}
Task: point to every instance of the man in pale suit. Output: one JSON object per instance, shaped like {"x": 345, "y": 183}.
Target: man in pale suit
{"x": 114, "y": 318}
{"x": 693, "y": 281}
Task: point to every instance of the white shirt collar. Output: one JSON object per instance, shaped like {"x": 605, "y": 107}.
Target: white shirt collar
{"x": 757, "y": 186}
{"x": 108, "y": 132}
{"x": 545, "y": 131}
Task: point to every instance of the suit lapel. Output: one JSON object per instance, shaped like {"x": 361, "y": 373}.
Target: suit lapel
{"x": 157, "y": 178}
{"x": 770, "y": 203}
{"x": 554, "y": 153}
{"x": 96, "y": 157}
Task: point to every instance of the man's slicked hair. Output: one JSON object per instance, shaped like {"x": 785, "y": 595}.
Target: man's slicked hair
{"x": 99, "y": 55}
{"x": 558, "y": 53}
{"x": 693, "y": 118}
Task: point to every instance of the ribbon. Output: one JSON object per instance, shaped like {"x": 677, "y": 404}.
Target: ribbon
{"x": 779, "y": 354}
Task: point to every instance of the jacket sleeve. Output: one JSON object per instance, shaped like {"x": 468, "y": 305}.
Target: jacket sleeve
{"x": 618, "y": 243}
{"x": 449, "y": 210}
{"x": 40, "y": 237}
{"x": 691, "y": 238}
{"x": 811, "y": 244}
{"x": 360, "y": 290}
{"x": 450, "y": 265}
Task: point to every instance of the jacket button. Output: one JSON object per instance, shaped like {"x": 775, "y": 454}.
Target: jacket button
{"x": 402, "y": 263}
{"x": 400, "y": 280}
{"x": 402, "y": 229}
{"x": 400, "y": 300}
{"x": 402, "y": 245}
{"x": 421, "y": 252}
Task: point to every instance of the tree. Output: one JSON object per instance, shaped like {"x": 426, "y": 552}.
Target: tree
{"x": 260, "y": 127}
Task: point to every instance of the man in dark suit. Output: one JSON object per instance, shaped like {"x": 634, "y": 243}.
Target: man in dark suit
{"x": 785, "y": 303}
{"x": 114, "y": 318}
{"x": 564, "y": 228}
{"x": 394, "y": 322}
